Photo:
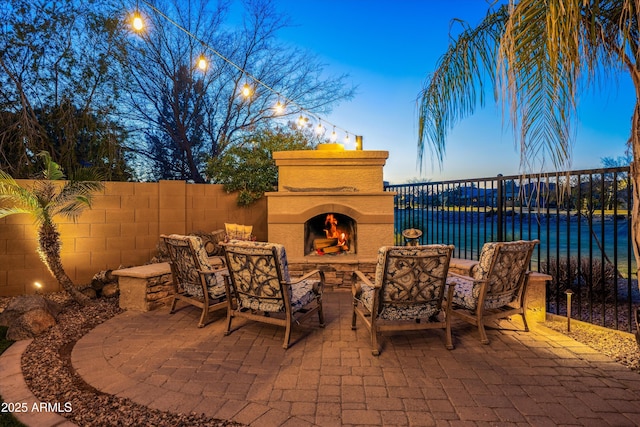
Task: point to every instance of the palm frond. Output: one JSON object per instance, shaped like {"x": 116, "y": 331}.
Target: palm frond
{"x": 457, "y": 86}
{"x": 52, "y": 170}
{"x": 538, "y": 78}
{"x": 74, "y": 198}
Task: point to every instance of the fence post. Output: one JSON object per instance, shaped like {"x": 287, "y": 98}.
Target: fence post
{"x": 500, "y": 207}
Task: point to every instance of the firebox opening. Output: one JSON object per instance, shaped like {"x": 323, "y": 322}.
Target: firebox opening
{"x": 330, "y": 234}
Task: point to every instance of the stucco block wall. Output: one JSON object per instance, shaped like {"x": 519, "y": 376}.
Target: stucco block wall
{"x": 122, "y": 229}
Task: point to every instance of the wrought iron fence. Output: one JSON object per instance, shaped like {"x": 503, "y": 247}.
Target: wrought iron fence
{"x": 582, "y": 219}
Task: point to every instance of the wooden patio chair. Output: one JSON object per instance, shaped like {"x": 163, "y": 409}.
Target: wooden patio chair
{"x": 407, "y": 293}
{"x": 261, "y": 289}
{"x": 497, "y": 286}
{"x": 196, "y": 281}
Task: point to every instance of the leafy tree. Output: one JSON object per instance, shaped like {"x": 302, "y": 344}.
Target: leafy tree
{"x": 536, "y": 56}
{"x": 44, "y": 200}
{"x": 249, "y": 168}
{"x": 59, "y": 70}
{"x": 187, "y": 115}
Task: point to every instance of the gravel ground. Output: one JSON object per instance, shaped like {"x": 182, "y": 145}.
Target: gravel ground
{"x": 48, "y": 372}
{"x": 46, "y": 366}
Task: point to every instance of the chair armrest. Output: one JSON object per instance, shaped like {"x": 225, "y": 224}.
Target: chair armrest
{"x": 462, "y": 276}
{"x": 360, "y": 275}
{"x": 308, "y": 275}
{"x": 317, "y": 289}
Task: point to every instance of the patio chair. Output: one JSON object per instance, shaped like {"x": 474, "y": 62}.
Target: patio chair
{"x": 497, "y": 286}
{"x": 261, "y": 289}
{"x": 407, "y": 293}
{"x": 196, "y": 281}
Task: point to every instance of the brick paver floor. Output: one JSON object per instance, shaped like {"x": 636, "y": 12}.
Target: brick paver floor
{"x": 329, "y": 377}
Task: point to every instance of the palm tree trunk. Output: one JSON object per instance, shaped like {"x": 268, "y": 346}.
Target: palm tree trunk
{"x": 49, "y": 249}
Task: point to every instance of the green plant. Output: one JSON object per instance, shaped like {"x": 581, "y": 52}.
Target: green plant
{"x": 249, "y": 168}
{"x": 47, "y": 198}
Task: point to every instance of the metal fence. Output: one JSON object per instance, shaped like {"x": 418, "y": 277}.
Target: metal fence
{"x": 582, "y": 219}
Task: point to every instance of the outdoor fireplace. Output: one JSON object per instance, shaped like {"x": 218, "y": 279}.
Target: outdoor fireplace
{"x": 330, "y": 234}
{"x": 321, "y": 189}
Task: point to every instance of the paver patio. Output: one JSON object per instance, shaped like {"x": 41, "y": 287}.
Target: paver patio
{"x": 329, "y": 377}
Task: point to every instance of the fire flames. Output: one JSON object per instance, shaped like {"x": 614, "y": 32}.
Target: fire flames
{"x": 336, "y": 239}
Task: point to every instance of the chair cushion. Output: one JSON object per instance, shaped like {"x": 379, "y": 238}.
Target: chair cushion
{"x": 238, "y": 231}
{"x": 280, "y": 251}
{"x": 482, "y": 269}
{"x": 466, "y": 291}
{"x": 215, "y": 282}
{"x": 271, "y": 301}
{"x": 396, "y": 312}
{"x": 302, "y": 293}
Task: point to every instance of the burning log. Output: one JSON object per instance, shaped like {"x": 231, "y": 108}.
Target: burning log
{"x": 329, "y": 246}
{"x": 324, "y": 243}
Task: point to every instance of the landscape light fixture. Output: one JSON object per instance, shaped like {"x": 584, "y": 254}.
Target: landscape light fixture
{"x": 568, "y": 292}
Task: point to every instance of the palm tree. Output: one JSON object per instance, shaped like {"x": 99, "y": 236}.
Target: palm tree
{"x": 44, "y": 201}
{"x": 535, "y": 56}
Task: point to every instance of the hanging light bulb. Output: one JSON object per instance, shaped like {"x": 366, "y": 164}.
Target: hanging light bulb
{"x": 319, "y": 129}
{"x": 278, "y": 108}
{"x": 247, "y": 90}
{"x": 136, "y": 21}
{"x": 202, "y": 63}
{"x": 334, "y": 135}
{"x": 302, "y": 120}
{"x": 346, "y": 138}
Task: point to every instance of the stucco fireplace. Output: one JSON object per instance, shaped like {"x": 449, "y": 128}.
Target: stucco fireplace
{"x": 330, "y": 208}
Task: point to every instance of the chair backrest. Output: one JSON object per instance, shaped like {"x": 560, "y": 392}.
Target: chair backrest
{"x": 188, "y": 255}
{"x": 257, "y": 271}
{"x": 504, "y": 266}
{"x": 412, "y": 277}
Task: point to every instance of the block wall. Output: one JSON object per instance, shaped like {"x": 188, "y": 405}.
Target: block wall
{"x": 122, "y": 229}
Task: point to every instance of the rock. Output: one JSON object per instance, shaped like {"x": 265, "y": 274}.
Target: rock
{"x": 110, "y": 290}
{"x": 30, "y": 325}
{"x": 28, "y": 316}
{"x": 90, "y": 292}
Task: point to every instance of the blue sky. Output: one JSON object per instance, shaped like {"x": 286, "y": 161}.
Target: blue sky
{"x": 388, "y": 49}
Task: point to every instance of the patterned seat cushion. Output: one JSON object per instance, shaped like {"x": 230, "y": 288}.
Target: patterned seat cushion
{"x": 215, "y": 282}
{"x": 264, "y": 275}
{"x": 410, "y": 291}
{"x": 502, "y": 265}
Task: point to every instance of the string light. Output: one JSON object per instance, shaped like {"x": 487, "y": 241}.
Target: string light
{"x": 319, "y": 129}
{"x": 202, "y": 63}
{"x": 346, "y": 138}
{"x": 247, "y": 90}
{"x": 136, "y": 21}
{"x": 278, "y": 108}
{"x": 334, "y": 135}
